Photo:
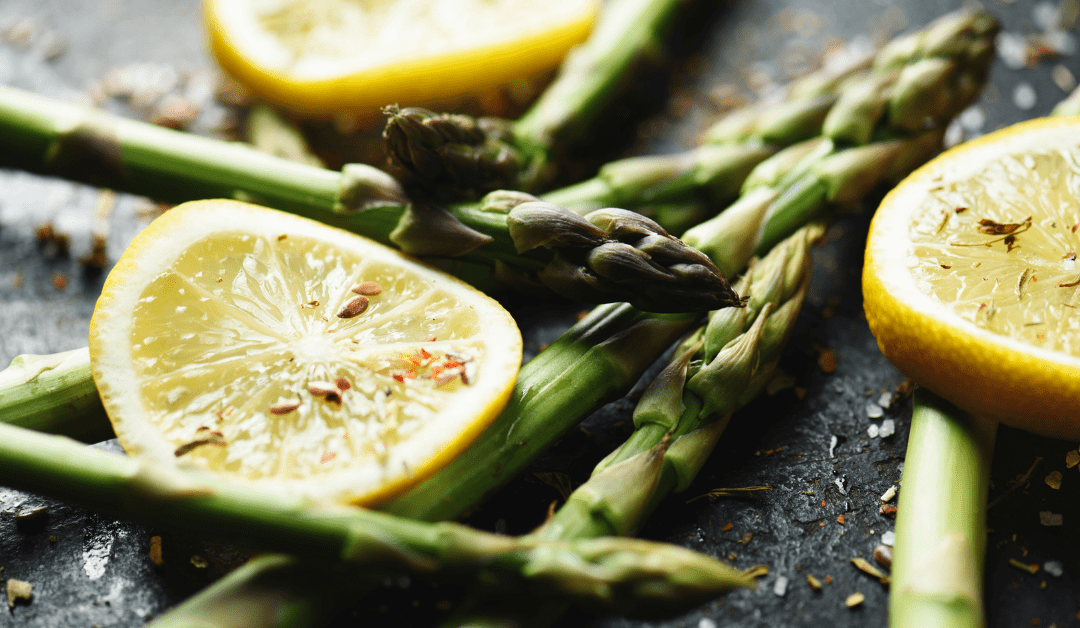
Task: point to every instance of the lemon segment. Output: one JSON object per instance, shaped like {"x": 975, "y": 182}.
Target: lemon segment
{"x": 971, "y": 282}
{"x": 321, "y": 56}
{"x": 274, "y": 350}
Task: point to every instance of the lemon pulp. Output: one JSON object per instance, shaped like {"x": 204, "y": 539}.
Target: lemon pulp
{"x": 999, "y": 248}
{"x": 294, "y": 356}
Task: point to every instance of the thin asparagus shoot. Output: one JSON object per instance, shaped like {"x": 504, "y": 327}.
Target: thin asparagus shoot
{"x": 941, "y": 518}
{"x": 627, "y": 575}
{"x": 546, "y": 247}
{"x": 680, "y": 417}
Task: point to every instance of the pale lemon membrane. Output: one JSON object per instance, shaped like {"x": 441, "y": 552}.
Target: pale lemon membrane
{"x": 999, "y": 248}
{"x": 225, "y": 343}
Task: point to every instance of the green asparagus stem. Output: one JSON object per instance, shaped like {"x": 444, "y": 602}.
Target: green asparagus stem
{"x": 727, "y": 362}
{"x": 629, "y": 576}
{"x": 54, "y": 394}
{"x": 272, "y": 590}
{"x": 457, "y": 156}
{"x": 873, "y": 134}
{"x": 574, "y": 257}
{"x": 941, "y": 518}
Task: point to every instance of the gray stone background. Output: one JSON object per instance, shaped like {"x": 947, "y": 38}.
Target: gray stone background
{"x": 88, "y": 569}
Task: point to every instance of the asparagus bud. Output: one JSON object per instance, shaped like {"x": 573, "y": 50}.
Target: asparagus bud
{"x": 453, "y": 156}
{"x": 618, "y": 254}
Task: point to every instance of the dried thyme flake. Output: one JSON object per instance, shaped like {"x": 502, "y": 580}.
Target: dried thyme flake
{"x": 757, "y": 571}
{"x": 814, "y": 583}
{"x": 1031, "y": 569}
{"x": 864, "y": 566}
{"x": 18, "y": 590}
{"x": 726, "y": 493}
{"x": 213, "y": 438}
{"x": 155, "y": 551}
{"x": 991, "y": 227}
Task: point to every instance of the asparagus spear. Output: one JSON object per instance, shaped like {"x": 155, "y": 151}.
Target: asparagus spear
{"x": 909, "y": 71}
{"x": 54, "y": 394}
{"x": 616, "y": 574}
{"x": 454, "y": 156}
{"x": 930, "y": 75}
{"x": 941, "y": 518}
{"x": 587, "y": 257}
{"x": 726, "y": 363}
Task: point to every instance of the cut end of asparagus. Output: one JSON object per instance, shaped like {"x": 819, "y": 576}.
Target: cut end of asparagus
{"x": 453, "y": 156}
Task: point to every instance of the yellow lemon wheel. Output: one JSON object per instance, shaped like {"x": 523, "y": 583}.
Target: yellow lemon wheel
{"x": 319, "y": 57}
{"x": 295, "y": 357}
{"x": 971, "y": 282}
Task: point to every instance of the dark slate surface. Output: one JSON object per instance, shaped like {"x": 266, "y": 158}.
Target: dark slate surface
{"x": 88, "y": 569}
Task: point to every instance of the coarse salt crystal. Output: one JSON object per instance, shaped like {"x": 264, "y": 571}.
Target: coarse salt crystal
{"x": 1044, "y": 14}
{"x": 888, "y": 428}
{"x": 780, "y": 586}
{"x": 872, "y": 431}
{"x": 1054, "y": 568}
{"x": 973, "y": 118}
{"x": 888, "y": 538}
{"x": 705, "y": 622}
{"x": 1024, "y": 96}
{"x": 885, "y": 400}
{"x": 874, "y": 411}
{"x": 889, "y": 494}
{"x": 954, "y": 134}
{"x": 1048, "y": 518}
{"x": 1012, "y": 49}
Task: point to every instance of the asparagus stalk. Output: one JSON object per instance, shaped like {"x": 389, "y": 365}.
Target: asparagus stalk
{"x": 454, "y": 156}
{"x": 679, "y": 419}
{"x": 615, "y": 574}
{"x": 873, "y": 134}
{"x": 950, "y": 54}
{"x": 587, "y": 258}
{"x": 269, "y": 590}
{"x": 941, "y": 518}
{"x": 54, "y": 394}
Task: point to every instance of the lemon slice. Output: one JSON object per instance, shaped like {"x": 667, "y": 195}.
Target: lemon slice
{"x": 280, "y": 352}
{"x": 971, "y": 282}
{"x": 320, "y": 56}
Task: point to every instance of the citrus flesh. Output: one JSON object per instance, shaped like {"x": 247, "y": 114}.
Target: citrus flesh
{"x": 971, "y": 283}
{"x": 323, "y": 56}
{"x": 277, "y": 351}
